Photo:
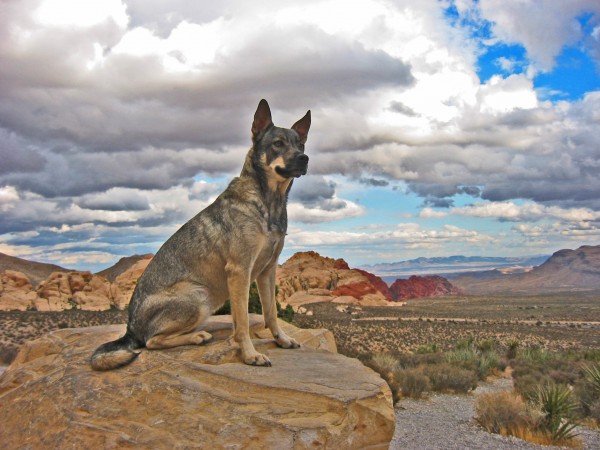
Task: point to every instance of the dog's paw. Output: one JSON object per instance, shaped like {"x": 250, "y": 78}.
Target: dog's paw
{"x": 286, "y": 342}
{"x": 202, "y": 337}
{"x": 257, "y": 359}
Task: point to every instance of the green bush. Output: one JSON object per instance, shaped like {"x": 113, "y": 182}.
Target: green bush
{"x": 427, "y": 348}
{"x": 447, "y": 377}
{"x": 412, "y": 382}
{"x": 255, "y": 306}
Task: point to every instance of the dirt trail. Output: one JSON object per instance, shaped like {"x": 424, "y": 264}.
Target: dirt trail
{"x": 447, "y": 422}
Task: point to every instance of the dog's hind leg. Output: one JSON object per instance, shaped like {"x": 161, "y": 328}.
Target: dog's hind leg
{"x": 266, "y": 289}
{"x": 175, "y": 317}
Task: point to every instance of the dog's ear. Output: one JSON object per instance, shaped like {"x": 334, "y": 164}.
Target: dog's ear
{"x": 262, "y": 118}
{"x": 302, "y": 126}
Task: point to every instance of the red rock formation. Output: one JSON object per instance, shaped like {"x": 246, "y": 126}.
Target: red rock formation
{"x": 378, "y": 283}
{"x": 308, "y": 277}
{"x": 421, "y": 287}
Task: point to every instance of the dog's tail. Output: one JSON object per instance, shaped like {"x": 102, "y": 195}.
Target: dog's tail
{"x": 117, "y": 353}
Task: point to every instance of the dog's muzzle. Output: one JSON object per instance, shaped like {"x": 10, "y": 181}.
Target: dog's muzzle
{"x": 296, "y": 168}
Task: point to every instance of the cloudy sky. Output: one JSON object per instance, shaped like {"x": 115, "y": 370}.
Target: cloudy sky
{"x": 439, "y": 127}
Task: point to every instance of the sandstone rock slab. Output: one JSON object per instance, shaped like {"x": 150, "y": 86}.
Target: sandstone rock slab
{"x": 193, "y": 397}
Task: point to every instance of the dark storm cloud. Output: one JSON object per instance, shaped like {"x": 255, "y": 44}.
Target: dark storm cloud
{"x": 376, "y": 182}
{"x": 115, "y": 201}
{"x": 16, "y": 156}
{"x": 435, "y": 202}
{"x": 402, "y": 109}
{"x": 312, "y": 190}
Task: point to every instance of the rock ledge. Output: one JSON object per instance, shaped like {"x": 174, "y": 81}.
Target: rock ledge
{"x": 193, "y": 397}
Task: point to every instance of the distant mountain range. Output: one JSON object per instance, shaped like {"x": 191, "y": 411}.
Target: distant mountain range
{"x": 564, "y": 270}
{"x": 568, "y": 270}
{"x": 453, "y": 265}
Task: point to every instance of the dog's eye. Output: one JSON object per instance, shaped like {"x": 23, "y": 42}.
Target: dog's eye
{"x": 301, "y": 147}
{"x": 278, "y": 144}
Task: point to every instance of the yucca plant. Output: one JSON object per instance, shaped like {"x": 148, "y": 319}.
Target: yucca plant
{"x": 557, "y": 406}
{"x": 592, "y": 376}
{"x": 512, "y": 349}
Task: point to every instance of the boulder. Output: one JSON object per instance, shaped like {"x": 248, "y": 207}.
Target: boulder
{"x": 193, "y": 396}
{"x": 67, "y": 290}
{"x": 16, "y": 291}
{"x": 123, "y": 286}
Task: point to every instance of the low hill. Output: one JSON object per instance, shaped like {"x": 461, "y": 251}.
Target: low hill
{"x": 35, "y": 271}
{"x": 122, "y": 266}
{"x": 564, "y": 270}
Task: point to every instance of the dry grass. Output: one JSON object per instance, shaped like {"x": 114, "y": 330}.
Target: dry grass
{"x": 508, "y": 414}
{"x": 531, "y": 321}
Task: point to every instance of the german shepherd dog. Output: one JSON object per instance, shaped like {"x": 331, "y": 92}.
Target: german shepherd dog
{"x": 218, "y": 253}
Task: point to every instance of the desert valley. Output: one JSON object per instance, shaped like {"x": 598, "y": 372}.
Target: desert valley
{"x": 540, "y": 322}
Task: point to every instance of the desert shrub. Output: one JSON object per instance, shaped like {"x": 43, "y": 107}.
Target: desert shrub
{"x": 512, "y": 349}
{"x": 488, "y": 363}
{"x": 408, "y": 360}
{"x": 546, "y": 420}
{"x": 592, "y": 376}
{"x": 504, "y": 413}
{"x": 534, "y": 355}
{"x": 446, "y": 377}
{"x": 386, "y": 365}
{"x": 557, "y": 407}
{"x": 385, "y": 362}
{"x": 427, "y": 348}
{"x": 586, "y": 398}
{"x": 465, "y": 344}
{"x": 591, "y": 355}
{"x": 412, "y": 382}
{"x": 587, "y": 392}
{"x": 486, "y": 346}
{"x": 287, "y": 314}
{"x": 255, "y": 306}
{"x": 483, "y": 363}
{"x": 527, "y": 384}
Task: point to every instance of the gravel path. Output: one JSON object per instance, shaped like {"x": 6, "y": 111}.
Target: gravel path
{"x": 446, "y": 422}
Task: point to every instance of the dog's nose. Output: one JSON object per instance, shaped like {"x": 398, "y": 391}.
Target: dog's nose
{"x": 303, "y": 158}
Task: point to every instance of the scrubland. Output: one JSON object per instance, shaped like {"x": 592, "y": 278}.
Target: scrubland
{"x": 549, "y": 344}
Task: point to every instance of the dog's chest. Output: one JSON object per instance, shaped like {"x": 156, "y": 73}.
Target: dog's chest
{"x": 270, "y": 249}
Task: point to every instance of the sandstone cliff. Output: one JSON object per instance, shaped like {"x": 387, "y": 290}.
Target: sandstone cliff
{"x": 69, "y": 289}
{"x": 422, "y": 287}
{"x": 308, "y": 277}
{"x": 193, "y": 396}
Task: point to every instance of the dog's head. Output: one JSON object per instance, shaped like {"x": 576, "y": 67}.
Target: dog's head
{"x": 280, "y": 150}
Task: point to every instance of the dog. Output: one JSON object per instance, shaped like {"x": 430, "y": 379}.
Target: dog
{"x": 218, "y": 253}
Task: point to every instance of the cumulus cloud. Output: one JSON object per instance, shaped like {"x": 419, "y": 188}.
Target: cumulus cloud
{"x": 110, "y": 113}
{"x": 407, "y": 234}
{"x": 542, "y": 29}
{"x": 529, "y": 212}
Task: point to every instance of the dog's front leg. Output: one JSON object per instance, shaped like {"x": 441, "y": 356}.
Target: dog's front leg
{"x": 266, "y": 290}
{"x": 238, "y": 284}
